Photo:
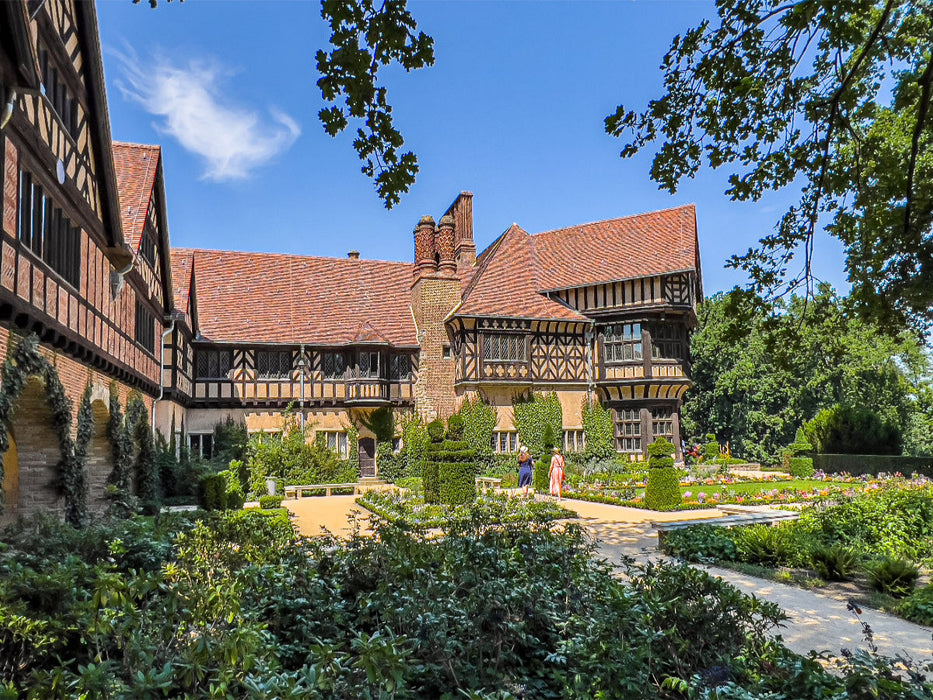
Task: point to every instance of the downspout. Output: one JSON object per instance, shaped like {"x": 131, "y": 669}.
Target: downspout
{"x": 7, "y": 112}
{"x": 171, "y": 329}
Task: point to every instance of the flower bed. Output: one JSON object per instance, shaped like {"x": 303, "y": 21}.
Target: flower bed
{"x": 412, "y": 511}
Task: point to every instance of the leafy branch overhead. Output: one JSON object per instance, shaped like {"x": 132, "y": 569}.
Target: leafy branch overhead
{"x": 832, "y": 94}
{"x": 364, "y": 39}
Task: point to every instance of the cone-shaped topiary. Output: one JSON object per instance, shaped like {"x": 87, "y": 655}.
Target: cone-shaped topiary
{"x": 799, "y": 467}
{"x": 662, "y": 492}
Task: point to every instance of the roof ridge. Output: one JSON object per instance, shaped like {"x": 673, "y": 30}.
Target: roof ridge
{"x": 133, "y": 144}
{"x": 616, "y": 218}
{"x": 290, "y": 256}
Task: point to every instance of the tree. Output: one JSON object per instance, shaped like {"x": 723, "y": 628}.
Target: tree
{"x": 833, "y": 94}
{"x": 760, "y": 373}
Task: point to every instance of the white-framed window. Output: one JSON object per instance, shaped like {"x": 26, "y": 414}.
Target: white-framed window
{"x": 574, "y": 441}
{"x": 662, "y": 423}
{"x": 263, "y": 433}
{"x": 201, "y": 445}
{"x": 336, "y": 440}
{"x": 622, "y": 342}
{"x": 505, "y": 441}
{"x": 628, "y": 430}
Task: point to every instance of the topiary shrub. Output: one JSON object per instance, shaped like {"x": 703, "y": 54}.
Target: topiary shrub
{"x": 662, "y": 491}
{"x": 436, "y": 430}
{"x": 455, "y": 427}
{"x": 798, "y": 466}
{"x": 711, "y": 448}
{"x": 456, "y": 482}
{"x": 541, "y": 480}
{"x": 429, "y": 476}
{"x": 212, "y": 492}
{"x": 270, "y": 502}
{"x": 449, "y": 473}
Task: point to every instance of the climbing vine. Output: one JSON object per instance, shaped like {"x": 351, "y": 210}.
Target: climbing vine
{"x": 479, "y": 423}
{"x": 532, "y": 414}
{"x": 26, "y": 361}
{"x": 598, "y": 430}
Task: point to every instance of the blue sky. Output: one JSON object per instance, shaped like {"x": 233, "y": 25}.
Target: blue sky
{"x": 512, "y": 111}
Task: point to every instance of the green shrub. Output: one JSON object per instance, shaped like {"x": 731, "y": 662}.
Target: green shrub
{"x": 391, "y": 466}
{"x": 270, "y": 502}
{"x": 765, "y": 544}
{"x": 212, "y": 494}
{"x": 800, "y": 467}
{"x": 918, "y": 606}
{"x": 415, "y": 484}
{"x": 892, "y": 575}
{"x": 456, "y": 482}
{"x": 699, "y": 543}
{"x": 436, "y": 430}
{"x": 711, "y": 448}
{"x": 833, "y": 562}
{"x": 455, "y": 427}
{"x": 662, "y": 492}
{"x": 430, "y": 479}
{"x": 846, "y": 429}
{"x": 598, "y": 429}
{"x": 540, "y": 478}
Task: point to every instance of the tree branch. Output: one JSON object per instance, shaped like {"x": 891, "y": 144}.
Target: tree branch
{"x": 925, "y": 83}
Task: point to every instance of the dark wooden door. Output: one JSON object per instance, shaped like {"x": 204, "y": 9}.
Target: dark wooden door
{"x": 367, "y": 457}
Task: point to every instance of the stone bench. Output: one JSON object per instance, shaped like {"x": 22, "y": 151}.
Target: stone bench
{"x": 736, "y": 518}
{"x": 299, "y": 491}
{"x": 485, "y": 483}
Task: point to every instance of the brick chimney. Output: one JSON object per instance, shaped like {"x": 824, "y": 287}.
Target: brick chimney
{"x": 354, "y": 255}
{"x": 425, "y": 249}
{"x": 444, "y": 242}
{"x": 464, "y": 247}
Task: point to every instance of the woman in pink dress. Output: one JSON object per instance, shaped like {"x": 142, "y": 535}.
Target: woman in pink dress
{"x": 557, "y": 473}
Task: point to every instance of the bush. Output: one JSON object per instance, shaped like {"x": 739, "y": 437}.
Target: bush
{"x": 455, "y": 427}
{"x": 270, "y": 502}
{"x": 436, "y": 431}
{"x": 699, "y": 543}
{"x": 918, "y": 606}
{"x": 892, "y": 575}
{"x": 833, "y": 562}
{"x": 540, "y": 479}
{"x": 711, "y": 448}
{"x": 765, "y": 544}
{"x": 662, "y": 492}
{"x": 391, "y": 466}
{"x": 221, "y": 491}
{"x": 800, "y": 467}
{"x": 853, "y": 430}
{"x": 456, "y": 482}
{"x": 415, "y": 484}
{"x": 430, "y": 480}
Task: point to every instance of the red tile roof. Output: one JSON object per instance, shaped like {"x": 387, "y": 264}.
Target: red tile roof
{"x": 512, "y": 273}
{"x": 275, "y": 298}
{"x": 182, "y": 268}
{"x": 136, "y": 167}
{"x": 506, "y": 280}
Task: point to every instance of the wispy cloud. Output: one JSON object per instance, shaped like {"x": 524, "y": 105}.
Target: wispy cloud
{"x": 232, "y": 139}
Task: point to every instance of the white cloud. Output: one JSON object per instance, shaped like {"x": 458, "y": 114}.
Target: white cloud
{"x": 232, "y": 139}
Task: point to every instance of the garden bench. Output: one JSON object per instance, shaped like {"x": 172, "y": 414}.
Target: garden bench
{"x": 485, "y": 483}
{"x": 299, "y": 491}
{"x": 735, "y": 519}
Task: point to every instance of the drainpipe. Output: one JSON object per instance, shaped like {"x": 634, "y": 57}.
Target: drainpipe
{"x": 7, "y": 112}
{"x": 171, "y": 329}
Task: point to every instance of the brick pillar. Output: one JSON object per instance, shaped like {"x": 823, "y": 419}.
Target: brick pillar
{"x": 432, "y": 298}
{"x": 444, "y": 242}
{"x": 425, "y": 249}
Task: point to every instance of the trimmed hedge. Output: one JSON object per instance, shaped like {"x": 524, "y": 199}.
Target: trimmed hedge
{"x": 270, "y": 502}
{"x": 873, "y": 464}
{"x": 800, "y": 467}
{"x": 541, "y": 480}
{"x": 457, "y": 482}
{"x": 430, "y": 481}
{"x": 221, "y": 491}
{"x": 662, "y": 492}
{"x": 449, "y": 473}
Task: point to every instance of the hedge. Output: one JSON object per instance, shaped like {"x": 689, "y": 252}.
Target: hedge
{"x": 541, "y": 479}
{"x": 662, "y": 492}
{"x": 800, "y": 467}
{"x": 873, "y": 464}
{"x": 457, "y": 482}
{"x": 430, "y": 478}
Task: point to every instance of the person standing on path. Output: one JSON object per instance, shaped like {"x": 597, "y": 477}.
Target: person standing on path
{"x": 525, "y": 469}
{"x": 557, "y": 474}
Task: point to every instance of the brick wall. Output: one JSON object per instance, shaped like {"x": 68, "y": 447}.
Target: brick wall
{"x": 433, "y": 297}
{"x": 37, "y": 450}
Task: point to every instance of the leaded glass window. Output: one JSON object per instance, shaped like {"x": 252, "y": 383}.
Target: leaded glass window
{"x": 213, "y": 364}
{"x": 505, "y": 347}
{"x": 628, "y": 430}
{"x": 369, "y": 364}
{"x": 273, "y": 364}
{"x": 622, "y": 342}
{"x": 333, "y": 365}
{"x": 667, "y": 342}
{"x": 400, "y": 368}
{"x": 662, "y": 423}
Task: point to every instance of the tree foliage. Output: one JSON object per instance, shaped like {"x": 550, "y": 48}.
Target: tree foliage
{"x": 759, "y": 375}
{"x": 835, "y": 95}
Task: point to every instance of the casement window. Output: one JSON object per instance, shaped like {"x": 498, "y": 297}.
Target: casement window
{"x": 622, "y": 342}
{"x": 145, "y": 326}
{"x": 505, "y": 347}
{"x": 668, "y": 342}
{"x": 273, "y": 364}
{"x": 201, "y": 445}
{"x": 58, "y": 94}
{"x": 504, "y": 441}
{"x": 333, "y": 365}
{"x": 662, "y": 423}
{"x": 213, "y": 364}
{"x": 368, "y": 364}
{"x": 574, "y": 441}
{"x": 336, "y": 441}
{"x": 445, "y": 352}
{"x": 400, "y": 368}
{"x": 45, "y": 229}
{"x": 147, "y": 246}
{"x": 628, "y": 430}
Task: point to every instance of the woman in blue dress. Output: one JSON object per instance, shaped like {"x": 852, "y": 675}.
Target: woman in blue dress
{"x": 525, "y": 469}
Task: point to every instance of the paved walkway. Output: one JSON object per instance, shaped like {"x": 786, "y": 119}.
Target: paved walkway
{"x": 816, "y": 620}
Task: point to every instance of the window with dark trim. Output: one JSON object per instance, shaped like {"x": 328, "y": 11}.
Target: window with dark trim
{"x": 45, "y": 229}
{"x": 662, "y": 423}
{"x": 201, "y": 445}
{"x": 622, "y": 342}
{"x": 273, "y": 364}
{"x": 505, "y": 347}
{"x": 147, "y": 246}
{"x": 212, "y": 364}
{"x": 368, "y": 363}
{"x": 333, "y": 365}
{"x": 504, "y": 441}
{"x": 628, "y": 430}
{"x": 667, "y": 342}
{"x": 400, "y": 368}
{"x": 574, "y": 441}
{"x": 58, "y": 94}
{"x": 145, "y": 326}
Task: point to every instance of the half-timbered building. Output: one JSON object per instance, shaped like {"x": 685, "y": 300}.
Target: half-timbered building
{"x": 71, "y": 270}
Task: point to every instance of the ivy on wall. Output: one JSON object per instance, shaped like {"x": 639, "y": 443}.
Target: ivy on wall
{"x": 121, "y": 445}
{"x": 598, "y": 430}
{"x": 26, "y": 361}
{"x": 479, "y": 423}
{"x": 532, "y": 413}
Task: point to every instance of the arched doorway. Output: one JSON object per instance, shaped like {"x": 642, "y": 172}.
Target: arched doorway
{"x": 10, "y": 482}
{"x": 99, "y": 458}
{"x": 367, "y": 458}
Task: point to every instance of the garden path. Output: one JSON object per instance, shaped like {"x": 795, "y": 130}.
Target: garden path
{"x": 816, "y": 621}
